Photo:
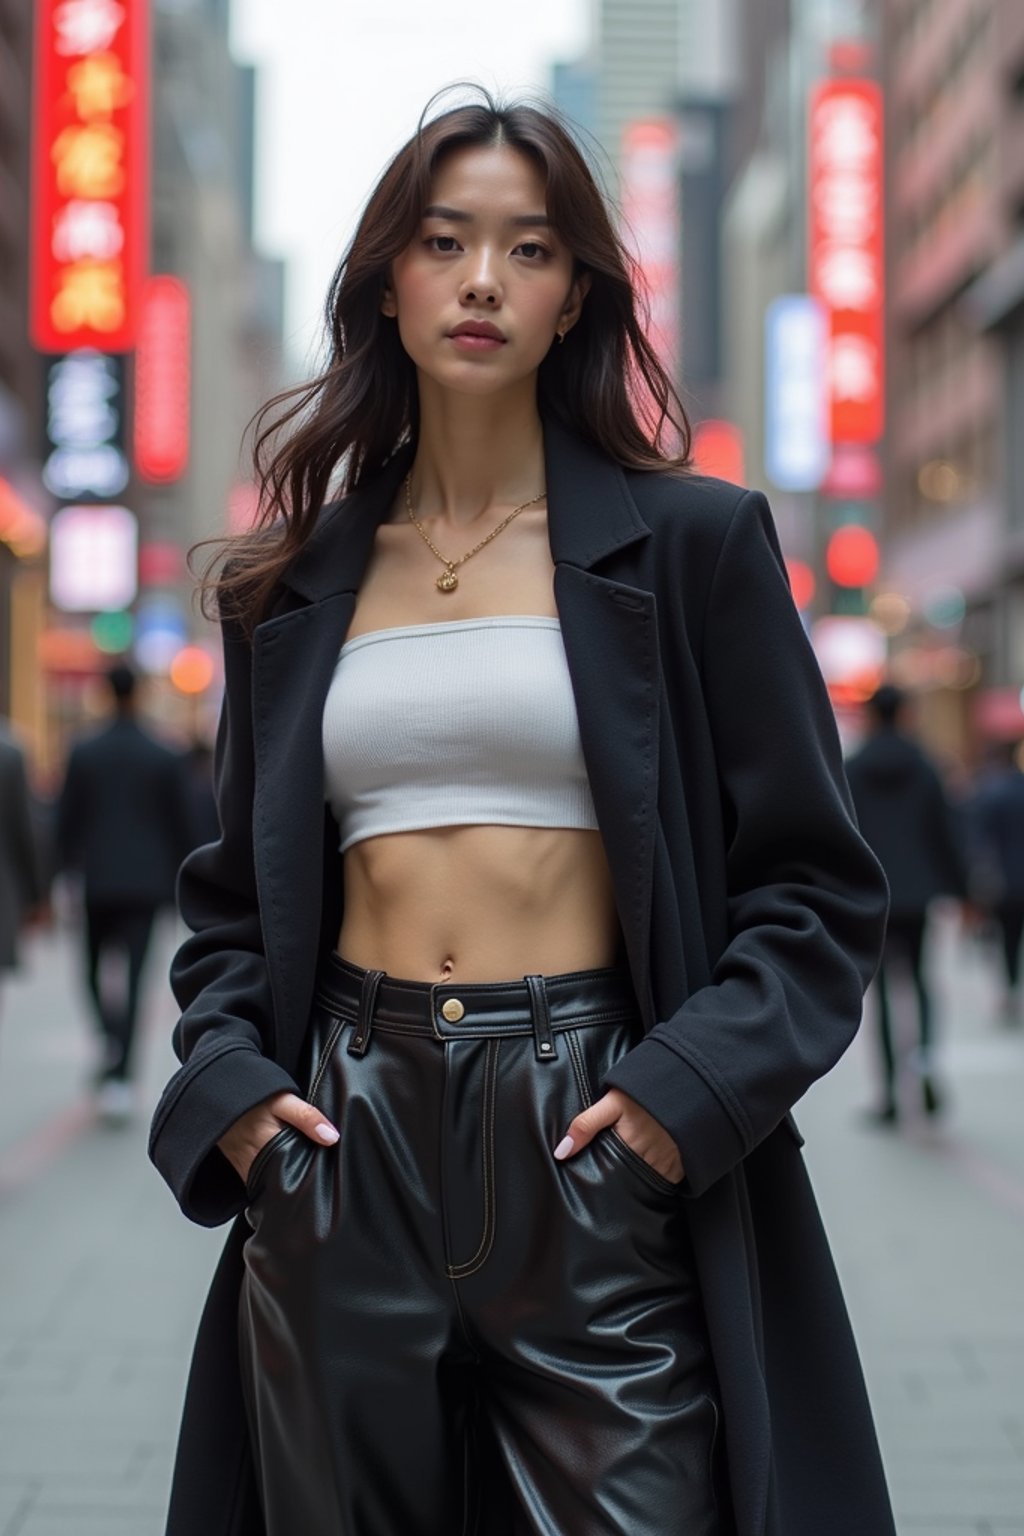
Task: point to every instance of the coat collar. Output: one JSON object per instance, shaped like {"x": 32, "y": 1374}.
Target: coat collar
{"x": 591, "y": 514}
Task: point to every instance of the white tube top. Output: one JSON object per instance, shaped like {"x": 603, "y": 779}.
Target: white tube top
{"x": 469, "y": 721}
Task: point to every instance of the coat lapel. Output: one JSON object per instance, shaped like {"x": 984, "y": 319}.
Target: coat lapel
{"x": 293, "y": 659}
{"x": 609, "y": 630}
{"x": 610, "y": 637}
{"x": 294, "y": 656}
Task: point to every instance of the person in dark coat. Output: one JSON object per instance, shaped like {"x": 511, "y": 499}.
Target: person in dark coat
{"x": 21, "y": 887}
{"x": 905, "y": 814}
{"x": 497, "y": 1099}
{"x": 124, "y": 825}
{"x": 996, "y": 818}
{"x": 199, "y": 766}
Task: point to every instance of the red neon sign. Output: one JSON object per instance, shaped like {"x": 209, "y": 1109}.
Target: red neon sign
{"x": 162, "y": 381}
{"x": 90, "y": 173}
{"x": 718, "y": 450}
{"x": 650, "y": 202}
{"x": 801, "y": 583}
{"x": 845, "y": 264}
{"x": 852, "y": 557}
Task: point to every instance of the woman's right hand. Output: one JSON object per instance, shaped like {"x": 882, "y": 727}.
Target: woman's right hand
{"x": 251, "y": 1131}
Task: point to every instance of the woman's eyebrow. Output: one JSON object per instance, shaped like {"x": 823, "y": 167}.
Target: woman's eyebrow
{"x": 457, "y": 216}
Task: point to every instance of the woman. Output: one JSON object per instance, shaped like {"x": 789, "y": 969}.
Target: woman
{"x": 498, "y": 1095}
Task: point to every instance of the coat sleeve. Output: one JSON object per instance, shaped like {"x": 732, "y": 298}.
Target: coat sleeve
{"x": 70, "y": 820}
{"x": 220, "y": 980}
{"x": 807, "y": 899}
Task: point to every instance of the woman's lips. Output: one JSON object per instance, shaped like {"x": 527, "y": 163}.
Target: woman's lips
{"x": 466, "y": 341}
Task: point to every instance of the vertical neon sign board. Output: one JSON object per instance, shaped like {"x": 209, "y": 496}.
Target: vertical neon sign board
{"x": 650, "y": 203}
{"x": 162, "y": 381}
{"x": 90, "y": 173}
{"x": 796, "y": 427}
{"x": 845, "y": 265}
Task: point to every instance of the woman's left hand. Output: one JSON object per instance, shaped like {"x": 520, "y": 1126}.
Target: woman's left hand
{"x": 638, "y": 1129}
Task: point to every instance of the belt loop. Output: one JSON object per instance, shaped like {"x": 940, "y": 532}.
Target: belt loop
{"x": 543, "y": 1039}
{"x": 359, "y": 1044}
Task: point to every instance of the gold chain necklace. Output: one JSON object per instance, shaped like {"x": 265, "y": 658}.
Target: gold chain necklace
{"x": 448, "y": 581}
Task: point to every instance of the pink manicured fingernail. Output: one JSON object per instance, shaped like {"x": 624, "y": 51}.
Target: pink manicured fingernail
{"x": 326, "y": 1133}
{"x": 564, "y": 1147}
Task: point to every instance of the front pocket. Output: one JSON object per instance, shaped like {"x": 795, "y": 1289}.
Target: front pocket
{"x": 322, "y": 1055}
{"x": 259, "y": 1162}
{"x": 579, "y": 1067}
{"x": 637, "y": 1164}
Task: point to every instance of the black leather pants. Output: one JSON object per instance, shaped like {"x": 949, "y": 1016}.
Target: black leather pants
{"x": 438, "y": 1264}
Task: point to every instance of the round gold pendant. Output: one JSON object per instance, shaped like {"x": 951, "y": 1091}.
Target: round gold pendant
{"x": 448, "y": 581}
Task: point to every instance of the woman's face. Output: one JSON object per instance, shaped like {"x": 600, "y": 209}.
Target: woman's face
{"x": 484, "y": 259}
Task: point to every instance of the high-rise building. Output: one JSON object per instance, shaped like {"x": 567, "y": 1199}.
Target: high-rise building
{"x": 650, "y": 55}
{"x": 954, "y": 72}
{"x": 652, "y": 96}
{"x": 203, "y": 233}
{"x": 637, "y": 65}
{"x": 574, "y": 92}
{"x": 762, "y": 226}
{"x": 139, "y": 423}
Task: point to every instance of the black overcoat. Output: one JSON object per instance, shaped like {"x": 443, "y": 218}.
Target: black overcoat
{"x": 751, "y": 908}
{"x": 124, "y": 818}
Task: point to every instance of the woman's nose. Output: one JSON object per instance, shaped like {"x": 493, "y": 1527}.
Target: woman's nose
{"x": 481, "y": 287}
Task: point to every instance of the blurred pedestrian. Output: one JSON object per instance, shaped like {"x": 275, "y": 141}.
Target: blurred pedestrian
{"x": 538, "y": 901}
{"x": 907, "y": 817}
{"x": 21, "y": 888}
{"x": 203, "y": 803}
{"x": 996, "y": 818}
{"x": 124, "y": 824}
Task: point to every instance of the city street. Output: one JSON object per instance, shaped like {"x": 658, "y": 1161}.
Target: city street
{"x": 101, "y": 1278}
{"x": 713, "y": 310}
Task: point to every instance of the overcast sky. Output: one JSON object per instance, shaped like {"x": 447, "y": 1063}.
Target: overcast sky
{"x": 341, "y": 86}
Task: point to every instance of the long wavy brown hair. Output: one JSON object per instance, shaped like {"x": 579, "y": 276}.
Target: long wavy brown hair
{"x": 605, "y": 383}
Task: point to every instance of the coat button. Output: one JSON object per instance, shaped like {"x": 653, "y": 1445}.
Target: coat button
{"x": 452, "y": 1010}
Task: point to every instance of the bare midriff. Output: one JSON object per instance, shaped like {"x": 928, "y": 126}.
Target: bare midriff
{"x": 479, "y": 902}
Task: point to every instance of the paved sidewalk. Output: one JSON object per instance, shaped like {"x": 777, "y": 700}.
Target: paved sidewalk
{"x": 101, "y": 1279}
{"x": 927, "y": 1227}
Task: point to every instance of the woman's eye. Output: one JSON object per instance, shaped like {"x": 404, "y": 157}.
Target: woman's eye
{"x": 445, "y": 249}
{"x": 533, "y": 250}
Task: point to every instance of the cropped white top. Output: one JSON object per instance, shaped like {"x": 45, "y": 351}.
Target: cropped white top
{"x": 464, "y": 722}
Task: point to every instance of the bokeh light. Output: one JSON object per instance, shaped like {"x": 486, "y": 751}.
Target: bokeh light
{"x": 191, "y": 670}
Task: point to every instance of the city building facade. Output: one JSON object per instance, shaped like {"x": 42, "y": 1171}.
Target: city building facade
{"x": 154, "y": 334}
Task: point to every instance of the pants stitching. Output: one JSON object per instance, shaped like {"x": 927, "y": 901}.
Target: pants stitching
{"x": 576, "y": 1056}
{"x": 712, "y": 1478}
{"x": 463, "y": 1271}
{"x": 325, "y": 1055}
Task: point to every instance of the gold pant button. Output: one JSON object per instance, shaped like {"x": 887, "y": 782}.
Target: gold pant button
{"x": 452, "y": 1010}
